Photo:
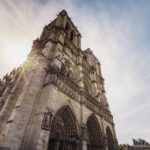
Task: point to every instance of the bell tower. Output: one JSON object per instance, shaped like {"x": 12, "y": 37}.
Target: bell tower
{"x": 62, "y": 30}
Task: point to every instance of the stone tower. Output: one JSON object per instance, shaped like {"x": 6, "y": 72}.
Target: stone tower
{"x": 56, "y": 99}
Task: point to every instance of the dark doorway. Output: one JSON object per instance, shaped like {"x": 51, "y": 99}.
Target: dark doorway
{"x": 110, "y": 140}
{"x": 63, "y": 134}
{"x": 94, "y": 134}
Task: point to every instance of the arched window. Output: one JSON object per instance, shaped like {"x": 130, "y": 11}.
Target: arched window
{"x": 94, "y": 134}
{"x": 72, "y": 35}
{"x": 67, "y": 27}
{"x": 110, "y": 139}
{"x": 64, "y": 134}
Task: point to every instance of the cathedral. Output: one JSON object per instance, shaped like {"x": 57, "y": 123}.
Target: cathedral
{"x": 56, "y": 99}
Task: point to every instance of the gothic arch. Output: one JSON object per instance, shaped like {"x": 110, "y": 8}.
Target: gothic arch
{"x": 110, "y": 139}
{"x": 67, "y": 26}
{"x": 94, "y": 134}
{"x": 63, "y": 130}
{"x": 72, "y": 35}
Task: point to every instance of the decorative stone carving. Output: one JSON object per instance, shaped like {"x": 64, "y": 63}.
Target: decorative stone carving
{"x": 92, "y": 69}
{"x": 58, "y": 127}
{"x": 70, "y": 88}
{"x": 84, "y": 132}
{"x": 47, "y": 120}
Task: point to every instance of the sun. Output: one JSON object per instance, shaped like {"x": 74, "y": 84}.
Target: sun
{"x": 15, "y": 54}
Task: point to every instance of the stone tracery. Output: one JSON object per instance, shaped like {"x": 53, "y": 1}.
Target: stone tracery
{"x": 95, "y": 141}
{"x": 63, "y": 131}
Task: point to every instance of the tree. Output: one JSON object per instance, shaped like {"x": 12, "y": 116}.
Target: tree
{"x": 121, "y": 147}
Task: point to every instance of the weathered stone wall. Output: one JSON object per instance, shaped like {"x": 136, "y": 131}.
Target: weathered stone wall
{"x": 57, "y": 73}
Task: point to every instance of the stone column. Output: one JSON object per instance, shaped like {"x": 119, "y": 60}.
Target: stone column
{"x": 80, "y": 83}
{"x": 106, "y": 142}
{"x": 95, "y": 90}
{"x": 79, "y": 41}
{"x": 115, "y": 137}
{"x": 84, "y": 137}
{"x": 75, "y": 40}
{"x": 98, "y": 68}
{"x": 84, "y": 145}
{"x": 116, "y": 144}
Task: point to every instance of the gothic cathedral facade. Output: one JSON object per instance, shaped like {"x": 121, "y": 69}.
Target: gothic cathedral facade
{"x": 56, "y": 99}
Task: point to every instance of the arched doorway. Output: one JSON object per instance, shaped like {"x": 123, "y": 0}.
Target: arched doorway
{"x": 63, "y": 134}
{"x": 94, "y": 134}
{"x": 110, "y": 139}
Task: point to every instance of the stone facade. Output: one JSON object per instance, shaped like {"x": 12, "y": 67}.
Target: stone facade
{"x": 56, "y": 99}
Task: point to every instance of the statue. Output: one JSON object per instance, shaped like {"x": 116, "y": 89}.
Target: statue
{"x": 46, "y": 123}
{"x": 84, "y": 131}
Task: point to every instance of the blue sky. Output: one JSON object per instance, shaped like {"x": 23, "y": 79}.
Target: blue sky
{"x": 118, "y": 33}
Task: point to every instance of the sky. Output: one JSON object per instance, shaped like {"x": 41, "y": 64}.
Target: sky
{"x": 117, "y": 31}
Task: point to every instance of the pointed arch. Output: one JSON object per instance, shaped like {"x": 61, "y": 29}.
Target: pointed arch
{"x": 64, "y": 133}
{"x": 72, "y": 35}
{"x": 110, "y": 139}
{"x": 94, "y": 134}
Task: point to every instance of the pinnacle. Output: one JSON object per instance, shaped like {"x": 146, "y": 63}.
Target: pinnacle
{"x": 63, "y": 12}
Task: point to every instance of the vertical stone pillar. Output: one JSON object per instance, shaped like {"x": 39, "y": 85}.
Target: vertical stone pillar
{"x": 84, "y": 137}
{"x": 106, "y": 142}
{"x": 80, "y": 83}
{"x": 116, "y": 144}
{"x": 75, "y": 40}
{"x": 79, "y": 41}
{"x": 42, "y": 133}
{"x": 84, "y": 145}
{"x": 43, "y": 140}
{"x": 114, "y": 133}
{"x": 98, "y": 68}
{"x": 104, "y": 139}
{"x": 95, "y": 89}
{"x": 115, "y": 138}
